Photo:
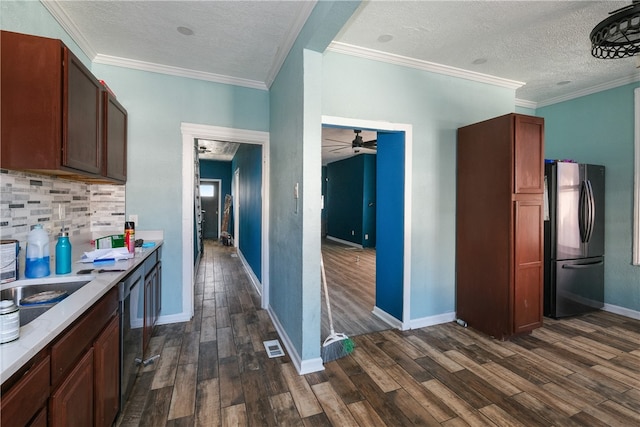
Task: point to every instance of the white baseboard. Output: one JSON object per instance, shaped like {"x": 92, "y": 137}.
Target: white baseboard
{"x": 344, "y": 242}
{"x": 174, "y": 318}
{"x": 254, "y": 279}
{"x": 302, "y": 366}
{"x": 627, "y": 312}
{"x": 387, "y": 318}
{"x": 438, "y": 319}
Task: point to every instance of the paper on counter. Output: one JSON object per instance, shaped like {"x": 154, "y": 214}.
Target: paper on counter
{"x": 104, "y": 254}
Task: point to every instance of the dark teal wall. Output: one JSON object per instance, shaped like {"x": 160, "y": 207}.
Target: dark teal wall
{"x": 248, "y": 160}
{"x": 369, "y": 202}
{"x": 390, "y": 223}
{"x": 214, "y": 169}
{"x": 350, "y": 186}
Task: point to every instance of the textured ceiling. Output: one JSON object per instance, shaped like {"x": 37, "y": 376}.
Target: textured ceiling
{"x": 538, "y": 44}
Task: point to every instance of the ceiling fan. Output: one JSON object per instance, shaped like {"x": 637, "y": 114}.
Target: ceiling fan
{"x": 357, "y": 144}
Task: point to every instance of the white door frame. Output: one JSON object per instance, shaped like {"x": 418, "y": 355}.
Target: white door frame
{"x": 190, "y": 132}
{"x": 235, "y": 191}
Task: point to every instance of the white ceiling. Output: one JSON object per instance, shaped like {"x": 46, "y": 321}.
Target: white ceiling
{"x": 529, "y": 45}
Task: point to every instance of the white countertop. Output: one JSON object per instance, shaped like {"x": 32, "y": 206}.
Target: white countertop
{"x": 37, "y": 334}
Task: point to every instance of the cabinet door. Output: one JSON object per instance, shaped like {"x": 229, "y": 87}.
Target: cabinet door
{"x": 82, "y": 117}
{"x": 115, "y": 138}
{"x": 30, "y": 113}
{"x": 72, "y": 403}
{"x": 529, "y": 154}
{"x": 107, "y": 374}
{"x": 27, "y": 396}
{"x": 148, "y": 308}
{"x": 158, "y": 291}
{"x": 528, "y": 274}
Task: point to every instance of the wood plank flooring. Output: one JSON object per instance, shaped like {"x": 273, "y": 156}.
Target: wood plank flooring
{"x": 351, "y": 279}
{"x": 214, "y": 371}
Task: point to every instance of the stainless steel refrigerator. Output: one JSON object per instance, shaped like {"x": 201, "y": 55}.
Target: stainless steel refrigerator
{"x": 574, "y": 238}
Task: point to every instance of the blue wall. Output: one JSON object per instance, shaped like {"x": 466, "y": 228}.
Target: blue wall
{"x": 390, "y": 214}
{"x": 248, "y": 161}
{"x": 350, "y": 186}
{"x": 599, "y": 129}
{"x": 214, "y": 169}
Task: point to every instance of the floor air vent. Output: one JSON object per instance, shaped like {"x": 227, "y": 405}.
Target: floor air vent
{"x": 274, "y": 349}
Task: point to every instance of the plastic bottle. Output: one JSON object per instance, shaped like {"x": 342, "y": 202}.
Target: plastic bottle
{"x": 37, "y": 259}
{"x": 63, "y": 254}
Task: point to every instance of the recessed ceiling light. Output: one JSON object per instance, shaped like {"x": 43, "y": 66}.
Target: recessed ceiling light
{"x": 564, "y": 82}
{"x": 480, "y": 61}
{"x": 185, "y": 30}
{"x": 385, "y": 38}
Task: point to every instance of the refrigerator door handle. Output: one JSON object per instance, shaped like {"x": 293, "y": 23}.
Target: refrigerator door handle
{"x": 586, "y": 214}
{"x": 579, "y": 266}
{"x": 591, "y": 214}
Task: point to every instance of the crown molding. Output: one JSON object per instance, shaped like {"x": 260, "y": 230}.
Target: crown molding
{"x": 67, "y": 24}
{"x": 177, "y": 71}
{"x": 526, "y": 104}
{"x": 306, "y": 7}
{"x": 591, "y": 90}
{"x": 375, "y": 55}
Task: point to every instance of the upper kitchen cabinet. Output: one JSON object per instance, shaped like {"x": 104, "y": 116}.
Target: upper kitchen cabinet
{"x": 499, "y": 225}
{"x": 115, "y": 138}
{"x": 56, "y": 118}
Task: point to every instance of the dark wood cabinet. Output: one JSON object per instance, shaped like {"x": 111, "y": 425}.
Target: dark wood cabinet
{"x": 53, "y": 114}
{"x": 499, "y": 225}
{"x": 107, "y": 375}
{"x": 71, "y": 404}
{"x": 115, "y": 138}
{"x": 28, "y": 395}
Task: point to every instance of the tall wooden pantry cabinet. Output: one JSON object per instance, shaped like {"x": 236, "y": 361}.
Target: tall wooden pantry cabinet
{"x": 499, "y": 225}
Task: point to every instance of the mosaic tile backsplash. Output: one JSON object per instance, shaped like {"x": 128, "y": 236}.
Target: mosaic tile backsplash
{"x": 28, "y": 199}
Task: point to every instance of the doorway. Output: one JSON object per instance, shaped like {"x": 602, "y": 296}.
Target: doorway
{"x": 210, "y": 199}
{"x": 393, "y": 217}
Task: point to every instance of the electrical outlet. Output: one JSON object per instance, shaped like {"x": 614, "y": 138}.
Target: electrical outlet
{"x": 133, "y": 218}
{"x": 366, "y": 237}
{"x": 353, "y": 232}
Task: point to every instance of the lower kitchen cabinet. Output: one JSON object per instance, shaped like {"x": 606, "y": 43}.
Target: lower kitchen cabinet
{"x": 152, "y": 296}
{"x": 20, "y": 404}
{"x": 73, "y": 382}
{"x": 71, "y": 404}
{"x": 107, "y": 374}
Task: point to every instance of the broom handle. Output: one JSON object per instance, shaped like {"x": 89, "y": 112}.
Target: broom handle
{"x": 326, "y": 294}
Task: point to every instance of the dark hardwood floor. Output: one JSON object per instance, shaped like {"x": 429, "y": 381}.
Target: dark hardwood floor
{"x": 351, "y": 279}
{"x": 214, "y": 370}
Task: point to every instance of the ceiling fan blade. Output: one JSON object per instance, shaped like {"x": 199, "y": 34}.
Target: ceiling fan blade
{"x": 373, "y": 144}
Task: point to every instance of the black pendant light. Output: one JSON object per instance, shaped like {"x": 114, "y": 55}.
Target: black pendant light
{"x": 618, "y": 36}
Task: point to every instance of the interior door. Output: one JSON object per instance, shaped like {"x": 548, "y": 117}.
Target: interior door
{"x": 210, "y": 197}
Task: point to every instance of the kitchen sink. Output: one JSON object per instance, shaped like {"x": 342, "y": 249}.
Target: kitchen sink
{"x": 20, "y": 294}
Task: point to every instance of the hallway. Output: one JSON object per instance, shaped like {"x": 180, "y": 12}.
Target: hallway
{"x": 214, "y": 371}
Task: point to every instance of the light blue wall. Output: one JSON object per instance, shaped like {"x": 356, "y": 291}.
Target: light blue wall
{"x": 157, "y": 104}
{"x": 295, "y": 133}
{"x": 599, "y": 129}
{"x": 435, "y": 105}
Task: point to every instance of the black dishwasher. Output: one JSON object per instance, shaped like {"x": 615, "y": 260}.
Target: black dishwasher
{"x": 131, "y": 293}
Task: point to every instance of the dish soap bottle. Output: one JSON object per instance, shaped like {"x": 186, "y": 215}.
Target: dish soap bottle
{"x": 37, "y": 260}
{"x": 63, "y": 254}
